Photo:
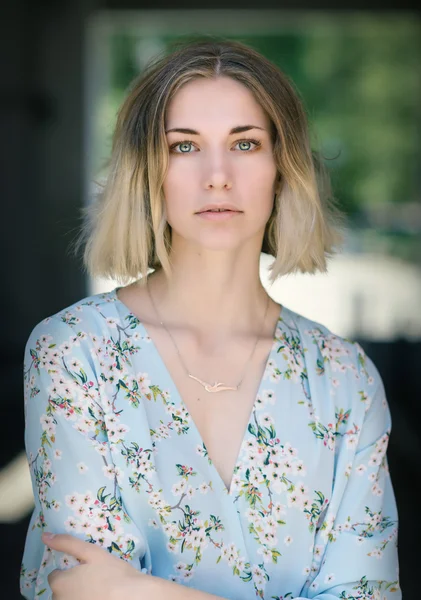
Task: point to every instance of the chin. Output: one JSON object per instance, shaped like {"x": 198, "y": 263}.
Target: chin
{"x": 217, "y": 236}
{"x": 228, "y": 240}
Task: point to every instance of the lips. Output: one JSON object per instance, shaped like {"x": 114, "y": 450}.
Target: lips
{"x": 223, "y": 215}
{"x": 222, "y": 207}
{"x": 225, "y": 210}
{"x": 217, "y": 211}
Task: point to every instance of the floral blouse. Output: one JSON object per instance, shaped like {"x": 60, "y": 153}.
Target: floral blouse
{"x": 116, "y": 460}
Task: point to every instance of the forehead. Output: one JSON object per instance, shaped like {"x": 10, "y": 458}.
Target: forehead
{"x": 221, "y": 99}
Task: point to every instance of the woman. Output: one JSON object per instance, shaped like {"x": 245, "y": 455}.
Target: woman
{"x": 221, "y": 444}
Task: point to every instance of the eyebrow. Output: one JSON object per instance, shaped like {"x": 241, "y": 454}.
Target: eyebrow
{"x": 238, "y": 129}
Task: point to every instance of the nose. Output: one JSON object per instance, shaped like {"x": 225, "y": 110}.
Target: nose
{"x": 217, "y": 174}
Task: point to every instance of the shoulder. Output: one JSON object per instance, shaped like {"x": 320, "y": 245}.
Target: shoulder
{"x": 87, "y": 318}
{"x": 341, "y": 362}
{"x": 336, "y": 352}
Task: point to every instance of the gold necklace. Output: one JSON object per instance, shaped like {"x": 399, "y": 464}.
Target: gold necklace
{"x": 209, "y": 387}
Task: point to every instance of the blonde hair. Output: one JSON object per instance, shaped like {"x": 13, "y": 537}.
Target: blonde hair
{"x": 125, "y": 231}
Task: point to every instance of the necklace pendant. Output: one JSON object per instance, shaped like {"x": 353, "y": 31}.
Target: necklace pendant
{"x": 216, "y": 387}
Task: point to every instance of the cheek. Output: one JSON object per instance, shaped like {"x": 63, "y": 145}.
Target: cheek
{"x": 179, "y": 179}
{"x": 171, "y": 179}
{"x": 257, "y": 182}
{"x": 179, "y": 196}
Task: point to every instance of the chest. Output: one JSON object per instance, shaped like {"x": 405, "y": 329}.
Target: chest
{"x": 221, "y": 418}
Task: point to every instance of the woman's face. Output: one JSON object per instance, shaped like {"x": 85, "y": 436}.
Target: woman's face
{"x": 212, "y": 163}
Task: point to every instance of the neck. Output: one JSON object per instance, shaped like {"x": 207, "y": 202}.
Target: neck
{"x": 214, "y": 301}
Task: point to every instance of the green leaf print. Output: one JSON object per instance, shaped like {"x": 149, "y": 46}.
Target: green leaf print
{"x": 275, "y": 555}
{"x": 41, "y": 592}
{"x": 320, "y": 367}
{"x": 252, "y": 429}
{"x": 102, "y": 497}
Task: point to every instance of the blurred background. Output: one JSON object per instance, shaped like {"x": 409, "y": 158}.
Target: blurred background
{"x": 66, "y": 67}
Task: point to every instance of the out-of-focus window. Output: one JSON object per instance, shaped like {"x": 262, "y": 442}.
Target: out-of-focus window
{"x": 359, "y": 78}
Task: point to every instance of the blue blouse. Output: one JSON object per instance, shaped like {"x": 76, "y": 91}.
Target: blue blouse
{"x": 116, "y": 459}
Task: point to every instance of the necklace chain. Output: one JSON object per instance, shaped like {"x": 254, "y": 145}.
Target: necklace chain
{"x": 216, "y": 387}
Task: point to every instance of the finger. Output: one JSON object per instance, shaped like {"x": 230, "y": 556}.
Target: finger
{"x": 57, "y": 579}
{"x": 53, "y": 577}
{"x": 80, "y": 549}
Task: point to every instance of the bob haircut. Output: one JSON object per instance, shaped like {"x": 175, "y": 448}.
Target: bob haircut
{"x": 125, "y": 231}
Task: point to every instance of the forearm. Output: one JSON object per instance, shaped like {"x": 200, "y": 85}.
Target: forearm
{"x": 155, "y": 588}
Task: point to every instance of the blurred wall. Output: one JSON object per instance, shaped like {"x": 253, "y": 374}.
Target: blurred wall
{"x": 41, "y": 181}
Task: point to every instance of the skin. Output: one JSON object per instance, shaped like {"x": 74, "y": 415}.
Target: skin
{"x": 215, "y": 292}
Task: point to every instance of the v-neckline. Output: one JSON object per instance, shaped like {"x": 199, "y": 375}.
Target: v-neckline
{"x": 182, "y": 404}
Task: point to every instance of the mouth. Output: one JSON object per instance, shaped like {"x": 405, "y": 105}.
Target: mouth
{"x": 218, "y": 215}
{"x": 217, "y": 210}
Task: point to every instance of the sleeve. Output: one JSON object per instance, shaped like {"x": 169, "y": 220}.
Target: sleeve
{"x": 356, "y": 554}
{"x": 75, "y": 483}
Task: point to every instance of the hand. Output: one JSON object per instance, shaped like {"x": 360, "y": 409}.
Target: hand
{"x": 100, "y": 574}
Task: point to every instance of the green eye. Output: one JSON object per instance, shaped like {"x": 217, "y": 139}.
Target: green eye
{"x": 248, "y": 145}
{"x": 241, "y": 144}
{"x": 184, "y": 145}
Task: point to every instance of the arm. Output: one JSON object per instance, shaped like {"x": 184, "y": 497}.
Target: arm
{"x": 357, "y": 541}
{"x": 74, "y": 482}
